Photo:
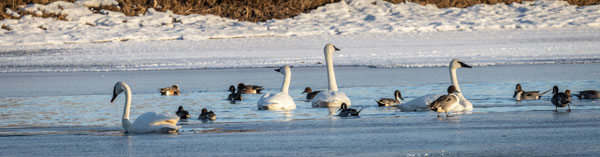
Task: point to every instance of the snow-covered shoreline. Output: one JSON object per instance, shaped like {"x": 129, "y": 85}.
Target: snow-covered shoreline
{"x": 374, "y": 35}
{"x": 343, "y": 18}
{"x": 478, "y": 48}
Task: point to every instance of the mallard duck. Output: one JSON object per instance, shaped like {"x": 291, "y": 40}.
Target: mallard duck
{"x": 560, "y": 99}
{"x": 309, "y": 93}
{"x": 207, "y": 115}
{"x": 173, "y": 90}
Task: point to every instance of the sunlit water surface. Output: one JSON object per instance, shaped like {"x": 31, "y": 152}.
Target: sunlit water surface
{"x": 82, "y": 99}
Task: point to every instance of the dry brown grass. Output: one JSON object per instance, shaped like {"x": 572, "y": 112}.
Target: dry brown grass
{"x": 245, "y": 10}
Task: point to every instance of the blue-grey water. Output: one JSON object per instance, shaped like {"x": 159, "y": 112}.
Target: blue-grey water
{"x": 82, "y": 98}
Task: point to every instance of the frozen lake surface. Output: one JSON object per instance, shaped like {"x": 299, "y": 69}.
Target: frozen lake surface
{"x": 68, "y": 114}
{"x": 82, "y": 98}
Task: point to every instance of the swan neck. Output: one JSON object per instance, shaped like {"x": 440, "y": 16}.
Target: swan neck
{"x": 454, "y": 79}
{"x": 127, "y": 103}
{"x": 286, "y": 81}
{"x": 330, "y": 74}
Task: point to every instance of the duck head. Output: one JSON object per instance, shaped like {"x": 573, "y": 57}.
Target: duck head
{"x": 307, "y": 90}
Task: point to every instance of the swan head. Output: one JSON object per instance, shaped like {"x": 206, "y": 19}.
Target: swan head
{"x": 283, "y": 69}
{"x": 455, "y": 64}
{"x": 398, "y": 94}
{"x": 307, "y": 90}
{"x": 451, "y": 89}
{"x": 119, "y": 88}
{"x": 330, "y": 48}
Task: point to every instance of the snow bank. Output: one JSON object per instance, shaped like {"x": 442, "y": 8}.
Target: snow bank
{"x": 346, "y": 17}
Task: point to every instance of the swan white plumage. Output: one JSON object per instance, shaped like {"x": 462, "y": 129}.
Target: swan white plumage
{"x": 149, "y": 122}
{"x": 331, "y": 97}
{"x": 281, "y": 100}
{"x": 420, "y": 103}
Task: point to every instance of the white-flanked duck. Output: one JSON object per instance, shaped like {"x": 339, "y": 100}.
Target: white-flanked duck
{"x": 281, "y": 100}
{"x": 149, "y": 122}
{"x": 331, "y": 97}
{"x": 310, "y": 94}
{"x": 390, "y": 102}
{"x": 347, "y": 112}
{"x": 234, "y": 96}
{"x": 173, "y": 90}
{"x": 420, "y": 103}
{"x": 588, "y": 94}
{"x": 206, "y": 115}
{"x": 249, "y": 89}
{"x": 182, "y": 114}
{"x": 560, "y": 99}
{"x": 445, "y": 103}
{"x": 529, "y": 95}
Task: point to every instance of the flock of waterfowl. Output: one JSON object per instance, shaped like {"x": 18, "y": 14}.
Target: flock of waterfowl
{"x": 453, "y": 101}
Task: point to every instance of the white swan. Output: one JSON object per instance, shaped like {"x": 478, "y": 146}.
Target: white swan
{"x": 420, "y": 103}
{"x": 149, "y": 122}
{"x": 281, "y": 100}
{"x": 331, "y": 97}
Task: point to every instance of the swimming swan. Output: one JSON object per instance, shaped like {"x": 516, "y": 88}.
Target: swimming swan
{"x": 331, "y": 97}
{"x": 149, "y": 122}
{"x": 420, "y": 103}
{"x": 281, "y": 100}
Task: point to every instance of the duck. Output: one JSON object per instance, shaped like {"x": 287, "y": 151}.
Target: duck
{"x": 588, "y": 94}
{"x": 309, "y": 93}
{"x": 182, "y": 114}
{"x": 420, "y": 103}
{"x": 332, "y": 97}
{"x": 529, "y": 95}
{"x": 347, "y": 112}
{"x": 445, "y": 103}
{"x": 234, "y": 96}
{"x": 249, "y": 89}
{"x": 390, "y": 102}
{"x": 149, "y": 122}
{"x": 560, "y": 99}
{"x": 281, "y": 100}
{"x": 173, "y": 90}
{"x": 207, "y": 115}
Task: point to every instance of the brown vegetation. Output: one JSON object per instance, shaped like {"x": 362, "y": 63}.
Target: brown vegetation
{"x": 244, "y": 10}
